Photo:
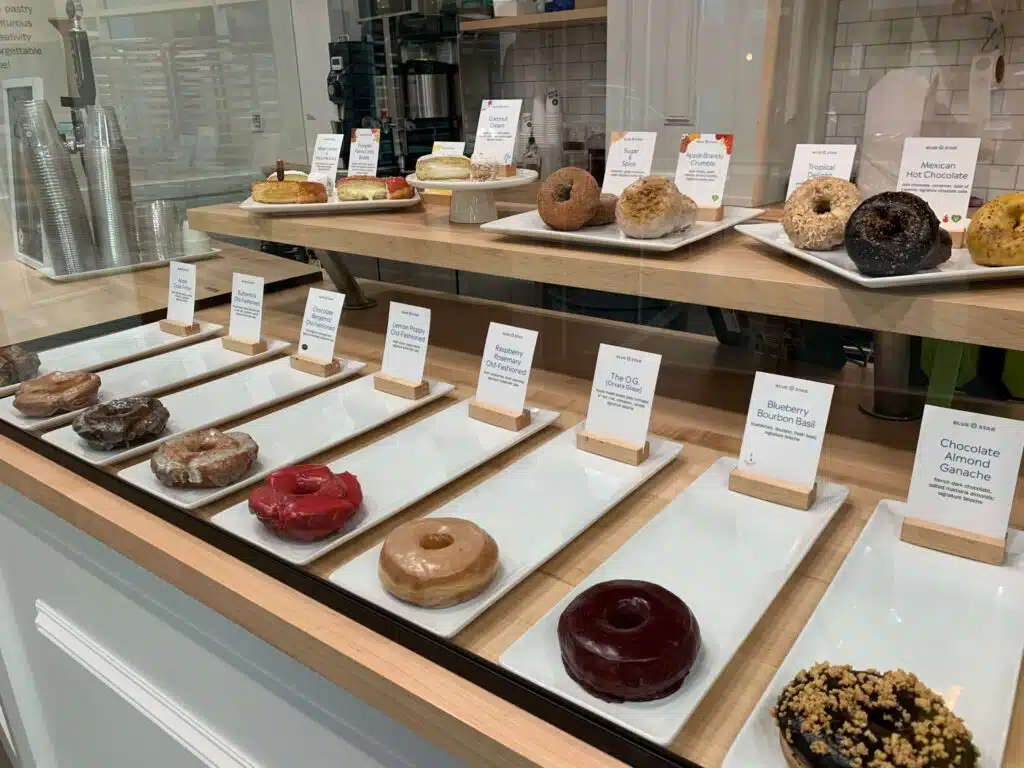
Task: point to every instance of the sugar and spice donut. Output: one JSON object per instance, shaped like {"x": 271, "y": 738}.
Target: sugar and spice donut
{"x": 437, "y": 561}
{"x": 206, "y": 458}
{"x": 568, "y": 199}
{"x": 896, "y": 233}
{"x": 121, "y": 423}
{"x": 306, "y": 502}
{"x": 57, "y": 392}
{"x": 833, "y": 716}
{"x": 816, "y": 213}
{"x": 995, "y": 236}
{"x": 653, "y": 207}
{"x": 628, "y": 640}
{"x": 605, "y": 213}
{"x": 17, "y": 365}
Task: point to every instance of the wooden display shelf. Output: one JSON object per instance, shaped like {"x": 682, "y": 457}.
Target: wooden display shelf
{"x": 572, "y": 18}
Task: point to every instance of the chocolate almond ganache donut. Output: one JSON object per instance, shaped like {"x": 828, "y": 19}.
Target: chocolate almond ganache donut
{"x": 833, "y": 716}
{"x": 896, "y": 233}
{"x": 121, "y": 423}
{"x": 628, "y": 640}
{"x": 17, "y": 365}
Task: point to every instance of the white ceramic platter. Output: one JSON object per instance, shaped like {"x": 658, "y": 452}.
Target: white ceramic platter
{"x": 530, "y": 225}
{"x": 725, "y": 555}
{"x": 112, "y": 349}
{"x": 212, "y": 403}
{"x": 343, "y": 206}
{"x": 176, "y": 368}
{"x": 293, "y": 434}
{"x": 533, "y": 509}
{"x": 959, "y": 269}
{"x": 395, "y": 473}
{"x": 955, "y": 623}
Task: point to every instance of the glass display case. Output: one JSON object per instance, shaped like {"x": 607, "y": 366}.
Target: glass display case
{"x": 591, "y": 382}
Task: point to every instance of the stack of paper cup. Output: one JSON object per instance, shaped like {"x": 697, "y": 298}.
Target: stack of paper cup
{"x": 538, "y": 116}
{"x": 523, "y": 138}
{"x": 553, "y": 119}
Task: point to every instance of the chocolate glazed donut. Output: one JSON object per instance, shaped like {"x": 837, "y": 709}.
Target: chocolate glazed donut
{"x": 628, "y": 641}
{"x": 896, "y": 233}
{"x": 121, "y": 423}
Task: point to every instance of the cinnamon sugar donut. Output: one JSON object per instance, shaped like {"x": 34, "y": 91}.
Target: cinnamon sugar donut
{"x": 568, "y": 199}
{"x": 605, "y": 213}
{"x": 816, "y": 213}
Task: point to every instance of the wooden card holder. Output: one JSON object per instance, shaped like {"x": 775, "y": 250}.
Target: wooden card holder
{"x": 244, "y": 347}
{"x": 953, "y": 541}
{"x": 771, "y": 489}
{"x": 179, "y": 329}
{"x": 400, "y": 387}
{"x": 610, "y": 448}
{"x": 316, "y": 367}
{"x": 710, "y": 214}
{"x": 499, "y": 417}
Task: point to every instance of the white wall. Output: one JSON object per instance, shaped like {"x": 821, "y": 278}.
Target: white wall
{"x": 312, "y": 36}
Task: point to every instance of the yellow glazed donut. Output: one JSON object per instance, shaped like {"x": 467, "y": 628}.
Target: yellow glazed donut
{"x": 816, "y": 213}
{"x": 995, "y": 237}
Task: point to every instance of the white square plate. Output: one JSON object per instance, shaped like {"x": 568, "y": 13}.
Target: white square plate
{"x": 395, "y": 473}
{"x": 531, "y": 225}
{"x": 956, "y": 624}
{"x": 176, "y": 368}
{"x": 959, "y": 269}
{"x": 725, "y": 555}
{"x": 113, "y": 349}
{"x": 293, "y": 434}
{"x": 532, "y": 509}
{"x": 346, "y": 206}
{"x": 213, "y": 403}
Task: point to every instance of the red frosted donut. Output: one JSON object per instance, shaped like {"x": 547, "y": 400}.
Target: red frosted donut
{"x": 307, "y": 502}
{"x": 628, "y": 641}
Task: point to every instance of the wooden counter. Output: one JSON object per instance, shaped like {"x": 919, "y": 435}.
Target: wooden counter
{"x": 728, "y": 270}
{"x": 703, "y": 392}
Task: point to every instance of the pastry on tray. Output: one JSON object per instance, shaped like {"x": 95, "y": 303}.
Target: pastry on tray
{"x": 995, "y": 236}
{"x": 443, "y": 168}
{"x": 289, "y": 192}
{"x": 354, "y": 188}
{"x": 652, "y": 207}
{"x": 17, "y": 365}
{"x": 896, "y": 233}
{"x": 306, "y": 502}
{"x": 57, "y": 392}
{"x": 206, "y": 458}
{"x": 816, "y": 213}
{"x": 121, "y": 423}
{"x": 568, "y": 199}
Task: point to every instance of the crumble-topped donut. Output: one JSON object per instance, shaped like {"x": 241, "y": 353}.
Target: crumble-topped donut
{"x": 306, "y": 502}
{"x": 206, "y": 458}
{"x": 568, "y": 199}
{"x": 995, "y": 236}
{"x": 833, "y": 716}
{"x": 653, "y": 207}
{"x": 121, "y": 423}
{"x": 816, "y": 213}
{"x": 17, "y": 365}
{"x": 57, "y": 392}
{"x": 626, "y": 640}
{"x": 896, "y": 233}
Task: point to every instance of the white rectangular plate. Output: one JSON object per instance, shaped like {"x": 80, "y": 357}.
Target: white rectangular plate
{"x": 725, "y": 555}
{"x": 395, "y": 473}
{"x": 530, "y": 225}
{"x": 213, "y": 403}
{"x": 959, "y": 269}
{"x": 533, "y": 509}
{"x": 955, "y": 623}
{"x": 176, "y": 368}
{"x": 112, "y": 349}
{"x": 347, "y": 206}
{"x": 293, "y": 434}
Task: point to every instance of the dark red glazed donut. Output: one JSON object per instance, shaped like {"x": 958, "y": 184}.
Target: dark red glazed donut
{"x": 628, "y": 641}
{"x": 307, "y": 502}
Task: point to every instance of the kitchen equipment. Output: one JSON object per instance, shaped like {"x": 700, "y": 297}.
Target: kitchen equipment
{"x": 160, "y": 234}
{"x": 110, "y": 188}
{"x": 429, "y": 87}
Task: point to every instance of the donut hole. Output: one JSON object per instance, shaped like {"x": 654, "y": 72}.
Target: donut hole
{"x": 436, "y": 541}
{"x": 821, "y": 205}
{"x": 629, "y": 614}
{"x": 563, "y": 193}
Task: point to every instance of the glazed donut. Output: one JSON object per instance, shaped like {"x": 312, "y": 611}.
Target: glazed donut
{"x": 121, "y": 423}
{"x": 437, "y": 561}
{"x": 896, "y": 233}
{"x": 306, "y": 502}
{"x": 653, "y": 207}
{"x": 605, "y": 213}
{"x": 57, "y": 392}
{"x": 207, "y": 458}
{"x": 568, "y": 199}
{"x": 628, "y": 640}
{"x": 17, "y": 365}
{"x": 995, "y": 236}
{"x": 816, "y": 213}
{"x": 829, "y": 716}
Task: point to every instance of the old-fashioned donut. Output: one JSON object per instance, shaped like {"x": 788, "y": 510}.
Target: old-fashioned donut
{"x": 57, "y": 392}
{"x": 627, "y": 640}
{"x": 568, "y": 199}
{"x": 206, "y": 458}
{"x": 653, "y": 207}
{"x": 306, "y": 502}
{"x": 896, "y": 233}
{"x": 995, "y": 236}
{"x": 121, "y": 423}
{"x": 830, "y": 715}
{"x": 816, "y": 213}
{"x": 17, "y": 365}
{"x": 437, "y": 561}
{"x": 605, "y": 213}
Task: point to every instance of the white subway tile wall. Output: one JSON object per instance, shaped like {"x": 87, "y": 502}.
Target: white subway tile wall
{"x": 937, "y": 38}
